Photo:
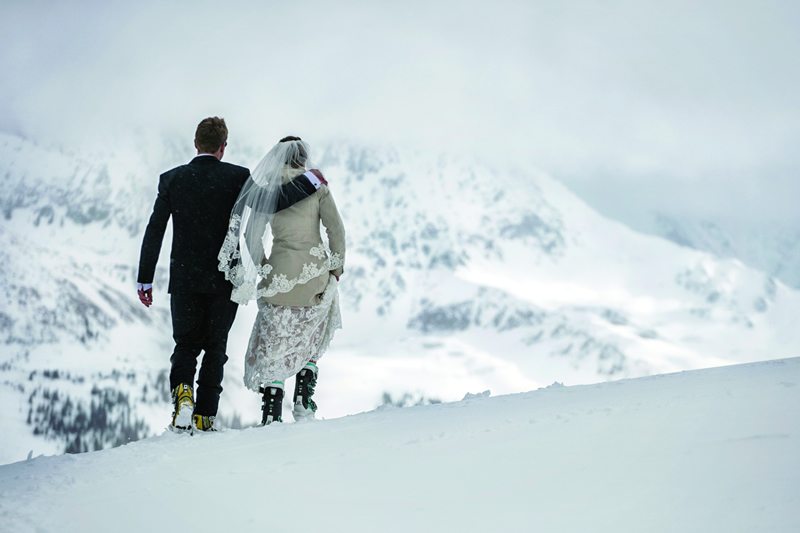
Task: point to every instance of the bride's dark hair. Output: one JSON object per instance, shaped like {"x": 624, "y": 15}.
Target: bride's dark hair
{"x": 297, "y": 158}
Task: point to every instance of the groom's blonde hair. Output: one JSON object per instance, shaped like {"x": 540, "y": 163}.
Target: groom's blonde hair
{"x": 211, "y": 134}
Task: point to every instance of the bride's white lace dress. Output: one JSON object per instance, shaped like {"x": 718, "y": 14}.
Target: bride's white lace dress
{"x": 285, "y": 338}
{"x": 298, "y": 302}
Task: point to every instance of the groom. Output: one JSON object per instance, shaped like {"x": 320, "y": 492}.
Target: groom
{"x": 199, "y": 197}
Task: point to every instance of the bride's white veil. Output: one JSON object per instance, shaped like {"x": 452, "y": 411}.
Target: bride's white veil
{"x": 242, "y": 252}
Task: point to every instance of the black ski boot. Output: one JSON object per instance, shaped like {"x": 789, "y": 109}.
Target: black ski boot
{"x": 304, "y": 384}
{"x": 271, "y": 405}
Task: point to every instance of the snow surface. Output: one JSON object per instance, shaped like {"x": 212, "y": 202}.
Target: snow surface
{"x": 704, "y": 450}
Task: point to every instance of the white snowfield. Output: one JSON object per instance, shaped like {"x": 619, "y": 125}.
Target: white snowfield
{"x": 713, "y": 450}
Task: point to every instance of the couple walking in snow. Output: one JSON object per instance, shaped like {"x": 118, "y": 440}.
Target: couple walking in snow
{"x": 221, "y": 215}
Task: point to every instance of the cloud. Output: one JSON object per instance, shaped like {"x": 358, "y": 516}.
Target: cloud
{"x": 646, "y": 92}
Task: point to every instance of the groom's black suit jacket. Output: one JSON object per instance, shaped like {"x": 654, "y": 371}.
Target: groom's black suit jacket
{"x": 199, "y": 196}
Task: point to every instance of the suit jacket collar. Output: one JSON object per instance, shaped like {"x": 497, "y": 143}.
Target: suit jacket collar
{"x": 204, "y": 160}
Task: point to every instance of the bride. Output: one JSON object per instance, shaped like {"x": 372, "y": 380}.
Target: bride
{"x": 295, "y": 287}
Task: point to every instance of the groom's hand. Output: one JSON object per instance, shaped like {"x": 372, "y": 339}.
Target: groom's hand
{"x": 318, "y": 174}
{"x": 145, "y": 293}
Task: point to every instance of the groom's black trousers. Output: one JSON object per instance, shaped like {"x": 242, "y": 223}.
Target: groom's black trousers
{"x": 200, "y": 322}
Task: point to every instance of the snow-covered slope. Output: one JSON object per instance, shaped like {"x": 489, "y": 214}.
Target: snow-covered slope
{"x": 518, "y": 265}
{"x": 460, "y": 276}
{"x": 700, "y": 451}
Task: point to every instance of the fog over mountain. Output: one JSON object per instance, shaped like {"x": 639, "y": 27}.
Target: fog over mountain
{"x": 685, "y": 107}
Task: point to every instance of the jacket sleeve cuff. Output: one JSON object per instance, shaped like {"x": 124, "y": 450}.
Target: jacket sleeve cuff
{"x": 315, "y": 181}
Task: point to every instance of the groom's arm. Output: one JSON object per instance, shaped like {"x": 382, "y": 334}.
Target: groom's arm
{"x": 299, "y": 188}
{"x": 151, "y": 244}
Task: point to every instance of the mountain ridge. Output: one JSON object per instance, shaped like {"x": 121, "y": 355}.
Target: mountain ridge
{"x": 458, "y": 275}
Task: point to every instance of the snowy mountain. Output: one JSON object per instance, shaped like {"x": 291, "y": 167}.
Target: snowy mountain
{"x": 461, "y": 276}
{"x": 774, "y": 250}
{"x": 699, "y": 451}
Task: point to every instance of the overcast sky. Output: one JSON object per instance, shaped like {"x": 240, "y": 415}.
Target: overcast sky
{"x": 692, "y": 105}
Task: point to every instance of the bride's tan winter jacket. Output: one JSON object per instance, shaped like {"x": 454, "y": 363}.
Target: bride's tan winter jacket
{"x": 301, "y": 264}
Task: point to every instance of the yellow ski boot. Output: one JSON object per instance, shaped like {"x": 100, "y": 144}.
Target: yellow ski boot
{"x": 183, "y": 402}
{"x": 204, "y": 423}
